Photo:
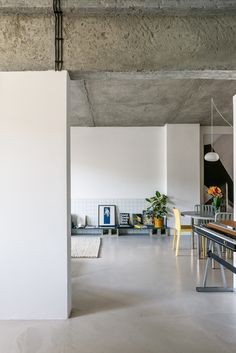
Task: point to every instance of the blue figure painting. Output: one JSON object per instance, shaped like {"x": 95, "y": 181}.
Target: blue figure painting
{"x": 107, "y": 215}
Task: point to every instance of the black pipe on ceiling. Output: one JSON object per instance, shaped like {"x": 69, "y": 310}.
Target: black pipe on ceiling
{"x": 58, "y": 35}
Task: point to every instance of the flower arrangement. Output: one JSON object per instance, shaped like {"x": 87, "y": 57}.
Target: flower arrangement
{"x": 215, "y": 191}
{"x": 216, "y": 194}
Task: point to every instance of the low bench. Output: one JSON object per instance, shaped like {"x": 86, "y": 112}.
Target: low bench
{"x": 119, "y": 230}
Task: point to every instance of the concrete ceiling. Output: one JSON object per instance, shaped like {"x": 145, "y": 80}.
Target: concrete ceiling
{"x": 124, "y": 37}
{"x": 149, "y": 102}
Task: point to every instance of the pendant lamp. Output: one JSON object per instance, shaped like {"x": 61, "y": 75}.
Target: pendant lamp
{"x": 213, "y": 156}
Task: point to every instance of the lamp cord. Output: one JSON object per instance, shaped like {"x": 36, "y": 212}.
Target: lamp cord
{"x": 213, "y": 104}
{"x": 212, "y": 120}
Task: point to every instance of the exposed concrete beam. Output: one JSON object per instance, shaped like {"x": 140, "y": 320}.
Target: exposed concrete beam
{"x": 26, "y": 7}
{"x": 119, "y": 43}
{"x": 156, "y": 75}
{"x": 26, "y": 43}
{"x": 163, "y": 7}
{"x": 122, "y": 43}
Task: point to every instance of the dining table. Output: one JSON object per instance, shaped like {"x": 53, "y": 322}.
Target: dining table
{"x": 198, "y": 217}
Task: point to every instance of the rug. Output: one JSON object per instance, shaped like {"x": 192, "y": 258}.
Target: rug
{"x": 85, "y": 246}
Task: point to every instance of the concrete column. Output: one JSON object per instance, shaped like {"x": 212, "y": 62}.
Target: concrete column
{"x": 34, "y": 201}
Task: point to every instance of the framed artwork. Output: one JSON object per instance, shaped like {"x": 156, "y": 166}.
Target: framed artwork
{"x": 124, "y": 219}
{"x": 106, "y": 215}
{"x": 137, "y": 218}
{"x": 147, "y": 220}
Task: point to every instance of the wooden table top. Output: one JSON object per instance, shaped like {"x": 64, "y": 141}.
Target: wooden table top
{"x": 225, "y": 227}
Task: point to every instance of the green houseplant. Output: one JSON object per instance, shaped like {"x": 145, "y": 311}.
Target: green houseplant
{"x": 157, "y": 208}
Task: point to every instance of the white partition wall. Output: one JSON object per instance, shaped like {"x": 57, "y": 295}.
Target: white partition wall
{"x": 183, "y": 164}
{"x": 234, "y": 161}
{"x": 34, "y": 207}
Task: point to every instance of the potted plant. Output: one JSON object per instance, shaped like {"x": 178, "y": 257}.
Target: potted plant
{"x": 158, "y": 208}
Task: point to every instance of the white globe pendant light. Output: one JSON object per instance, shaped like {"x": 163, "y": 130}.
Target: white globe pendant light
{"x": 211, "y": 157}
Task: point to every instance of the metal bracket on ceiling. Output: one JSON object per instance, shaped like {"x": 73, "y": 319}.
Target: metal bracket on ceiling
{"x": 58, "y": 35}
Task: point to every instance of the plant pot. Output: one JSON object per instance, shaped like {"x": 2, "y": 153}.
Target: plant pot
{"x": 158, "y": 222}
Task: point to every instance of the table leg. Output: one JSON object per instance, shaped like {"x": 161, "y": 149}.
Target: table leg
{"x": 223, "y": 263}
{"x": 198, "y": 246}
{"x": 221, "y": 266}
{"x": 207, "y": 267}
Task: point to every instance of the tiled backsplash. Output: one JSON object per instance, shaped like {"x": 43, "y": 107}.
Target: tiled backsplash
{"x": 89, "y": 207}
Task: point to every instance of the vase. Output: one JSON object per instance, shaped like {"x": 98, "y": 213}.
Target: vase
{"x": 217, "y": 202}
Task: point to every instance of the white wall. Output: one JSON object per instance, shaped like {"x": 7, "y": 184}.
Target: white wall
{"x": 234, "y": 153}
{"x": 117, "y": 162}
{"x": 89, "y": 207}
{"x": 132, "y": 163}
{"x": 183, "y": 164}
{"x": 34, "y": 208}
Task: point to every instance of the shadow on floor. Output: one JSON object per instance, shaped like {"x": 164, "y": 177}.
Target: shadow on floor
{"x": 94, "y": 300}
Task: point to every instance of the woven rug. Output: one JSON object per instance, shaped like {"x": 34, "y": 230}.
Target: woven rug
{"x": 85, "y": 246}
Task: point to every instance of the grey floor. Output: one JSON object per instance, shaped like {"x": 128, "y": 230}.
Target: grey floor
{"x": 137, "y": 298}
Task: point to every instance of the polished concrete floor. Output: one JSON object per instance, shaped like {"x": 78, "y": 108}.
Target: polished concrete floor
{"x": 136, "y": 298}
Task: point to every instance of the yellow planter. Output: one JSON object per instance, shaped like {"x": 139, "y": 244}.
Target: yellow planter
{"x": 158, "y": 222}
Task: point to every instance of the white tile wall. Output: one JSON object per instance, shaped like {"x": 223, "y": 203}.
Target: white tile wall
{"x": 89, "y": 208}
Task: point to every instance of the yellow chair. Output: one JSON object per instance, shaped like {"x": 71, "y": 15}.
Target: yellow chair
{"x": 179, "y": 229}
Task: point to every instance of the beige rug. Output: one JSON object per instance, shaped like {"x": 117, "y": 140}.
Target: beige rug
{"x": 85, "y": 246}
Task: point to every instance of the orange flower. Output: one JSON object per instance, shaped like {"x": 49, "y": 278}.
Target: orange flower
{"x": 215, "y": 191}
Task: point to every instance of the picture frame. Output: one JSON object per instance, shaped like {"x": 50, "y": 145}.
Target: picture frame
{"x": 124, "y": 219}
{"x": 106, "y": 215}
{"x": 137, "y": 218}
{"x": 147, "y": 219}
